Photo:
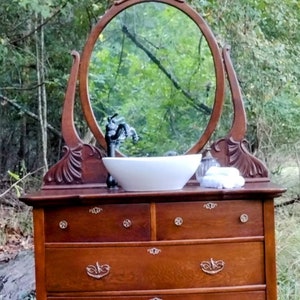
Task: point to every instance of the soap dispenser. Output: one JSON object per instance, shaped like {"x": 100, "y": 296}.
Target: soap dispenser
{"x": 207, "y": 161}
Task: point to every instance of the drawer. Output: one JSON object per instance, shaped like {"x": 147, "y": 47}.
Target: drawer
{"x": 256, "y": 295}
{"x": 105, "y": 223}
{"x": 154, "y": 266}
{"x": 216, "y": 219}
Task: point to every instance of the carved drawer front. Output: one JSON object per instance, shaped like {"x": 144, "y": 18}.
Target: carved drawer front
{"x": 154, "y": 267}
{"x": 98, "y": 223}
{"x": 215, "y": 219}
{"x": 256, "y": 295}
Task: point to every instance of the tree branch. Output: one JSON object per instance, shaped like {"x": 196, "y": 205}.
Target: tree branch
{"x": 56, "y": 12}
{"x": 28, "y": 113}
{"x": 15, "y": 184}
{"x": 199, "y": 106}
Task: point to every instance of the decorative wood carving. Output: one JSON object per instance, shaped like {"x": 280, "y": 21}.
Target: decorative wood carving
{"x": 235, "y": 154}
{"x": 233, "y": 150}
{"x": 74, "y": 167}
{"x": 81, "y": 163}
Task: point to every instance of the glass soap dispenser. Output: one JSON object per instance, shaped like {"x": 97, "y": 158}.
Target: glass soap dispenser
{"x": 207, "y": 161}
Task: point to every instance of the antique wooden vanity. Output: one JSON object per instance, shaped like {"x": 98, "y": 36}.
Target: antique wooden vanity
{"x": 96, "y": 243}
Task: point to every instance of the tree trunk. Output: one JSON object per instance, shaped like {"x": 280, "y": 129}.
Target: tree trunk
{"x": 42, "y": 98}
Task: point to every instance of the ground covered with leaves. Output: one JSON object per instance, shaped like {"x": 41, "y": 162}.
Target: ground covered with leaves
{"x": 17, "y": 280}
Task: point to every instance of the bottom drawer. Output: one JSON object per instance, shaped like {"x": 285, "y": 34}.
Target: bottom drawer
{"x": 255, "y": 295}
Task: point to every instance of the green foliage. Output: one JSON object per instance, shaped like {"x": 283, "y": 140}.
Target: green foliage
{"x": 16, "y": 178}
{"x": 288, "y": 263}
{"x": 155, "y": 75}
{"x": 264, "y": 39}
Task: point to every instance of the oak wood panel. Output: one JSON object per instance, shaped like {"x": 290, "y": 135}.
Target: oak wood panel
{"x": 209, "y": 219}
{"x": 255, "y": 295}
{"x": 98, "y": 223}
{"x": 134, "y": 268}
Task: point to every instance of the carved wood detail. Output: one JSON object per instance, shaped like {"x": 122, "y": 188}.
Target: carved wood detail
{"x": 233, "y": 150}
{"x": 81, "y": 163}
{"x": 74, "y": 167}
{"x": 235, "y": 154}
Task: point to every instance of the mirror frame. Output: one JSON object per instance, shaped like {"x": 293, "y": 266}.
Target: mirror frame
{"x": 119, "y": 6}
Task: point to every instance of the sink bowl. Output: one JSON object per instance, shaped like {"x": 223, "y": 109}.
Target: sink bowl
{"x": 152, "y": 173}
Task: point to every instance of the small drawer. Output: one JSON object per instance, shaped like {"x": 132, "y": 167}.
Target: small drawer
{"x": 215, "y": 219}
{"x": 255, "y": 295}
{"x": 154, "y": 267}
{"x": 105, "y": 223}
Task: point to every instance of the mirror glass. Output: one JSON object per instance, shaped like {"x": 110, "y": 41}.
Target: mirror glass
{"x": 152, "y": 65}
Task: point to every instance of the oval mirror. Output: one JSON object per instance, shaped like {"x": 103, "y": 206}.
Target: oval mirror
{"x": 158, "y": 66}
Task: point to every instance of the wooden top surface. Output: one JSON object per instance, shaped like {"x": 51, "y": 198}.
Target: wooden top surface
{"x": 85, "y": 194}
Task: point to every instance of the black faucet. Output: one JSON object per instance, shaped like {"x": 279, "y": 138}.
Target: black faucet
{"x": 116, "y": 132}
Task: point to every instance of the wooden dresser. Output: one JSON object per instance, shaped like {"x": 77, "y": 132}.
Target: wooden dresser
{"x": 96, "y": 243}
{"x": 190, "y": 244}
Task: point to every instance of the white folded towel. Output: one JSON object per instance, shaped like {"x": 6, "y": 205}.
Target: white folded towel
{"x": 222, "y": 177}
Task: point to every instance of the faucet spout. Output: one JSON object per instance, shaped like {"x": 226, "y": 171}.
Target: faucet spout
{"x": 115, "y": 133}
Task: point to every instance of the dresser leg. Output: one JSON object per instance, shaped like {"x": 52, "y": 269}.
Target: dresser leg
{"x": 270, "y": 250}
{"x": 39, "y": 249}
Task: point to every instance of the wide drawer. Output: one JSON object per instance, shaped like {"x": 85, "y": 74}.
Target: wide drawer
{"x": 216, "y": 219}
{"x": 152, "y": 267}
{"x": 256, "y": 295}
{"x": 99, "y": 223}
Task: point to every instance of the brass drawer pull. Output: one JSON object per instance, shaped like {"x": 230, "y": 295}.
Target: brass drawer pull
{"x": 178, "y": 221}
{"x": 63, "y": 224}
{"x": 97, "y": 271}
{"x": 127, "y": 223}
{"x": 154, "y": 251}
{"x": 210, "y": 205}
{"x": 95, "y": 210}
{"x": 212, "y": 267}
{"x": 244, "y": 218}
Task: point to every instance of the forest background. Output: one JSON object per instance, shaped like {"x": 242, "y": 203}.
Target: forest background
{"x": 36, "y": 38}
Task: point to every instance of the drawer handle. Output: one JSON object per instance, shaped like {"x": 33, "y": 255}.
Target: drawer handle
{"x": 154, "y": 251}
{"x": 63, "y": 224}
{"x": 155, "y": 298}
{"x": 210, "y": 205}
{"x": 212, "y": 267}
{"x": 95, "y": 210}
{"x": 97, "y": 271}
{"x": 178, "y": 221}
{"x": 244, "y": 218}
{"x": 127, "y": 223}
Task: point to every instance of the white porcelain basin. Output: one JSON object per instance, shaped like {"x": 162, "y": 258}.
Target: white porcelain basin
{"x": 152, "y": 173}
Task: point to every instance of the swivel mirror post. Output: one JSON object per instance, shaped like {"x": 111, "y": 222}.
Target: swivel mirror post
{"x": 115, "y": 133}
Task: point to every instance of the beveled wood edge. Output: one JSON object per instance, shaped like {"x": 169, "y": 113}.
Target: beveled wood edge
{"x": 208, "y": 241}
{"x": 208, "y": 290}
{"x": 91, "y": 196}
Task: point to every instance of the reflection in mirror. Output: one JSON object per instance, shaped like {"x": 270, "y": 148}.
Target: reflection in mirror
{"x": 152, "y": 66}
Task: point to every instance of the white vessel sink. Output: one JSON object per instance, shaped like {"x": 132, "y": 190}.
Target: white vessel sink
{"x": 152, "y": 173}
